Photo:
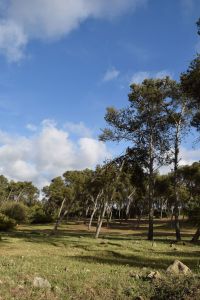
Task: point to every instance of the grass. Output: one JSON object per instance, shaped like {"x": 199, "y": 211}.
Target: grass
{"x": 80, "y": 267}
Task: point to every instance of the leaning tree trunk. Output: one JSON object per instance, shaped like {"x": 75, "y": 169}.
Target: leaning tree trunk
{"x": 60, "y": 216}
{"x": 94, "y": 209}
{"x": 196, "y": 236}
{"x": 100, "y": 220}
{"x": 129, "y": 201}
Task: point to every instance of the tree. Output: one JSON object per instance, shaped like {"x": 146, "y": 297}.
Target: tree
{"x": 190, "y": 81}
{"x": 179, "y": 120}
{"x": 59, "y": 199}
{"x": 143, "y": 124}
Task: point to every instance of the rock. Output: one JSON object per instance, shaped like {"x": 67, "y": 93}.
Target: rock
{"x": 134, "y": 275}
{"x": 20, "y": 287}
{"x": 178, "y": 268}
{"x": 154, "y": 275}
{"x": 41, "y": 283}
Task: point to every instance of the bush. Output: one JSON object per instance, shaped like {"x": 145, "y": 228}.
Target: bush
{"x": 15, "y": 210}
{"x": 177, "y": 288}
{"x": 37, "y": 215}
{"x": 6, "y": 223}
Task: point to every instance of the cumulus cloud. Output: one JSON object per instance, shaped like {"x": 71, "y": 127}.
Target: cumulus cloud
{"x": 111, "y": 74}
{"x": 139, "y": 77}
{"x": 47, "y": 153}
{"x": 78, "y": 129}
{"x": 22, "y": 20}
{"x": 187, "y": 157}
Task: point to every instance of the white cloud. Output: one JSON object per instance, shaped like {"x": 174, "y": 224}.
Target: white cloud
{"x": 139, "y": 77}
{"x": 12, "y": 41}
{"x": 23, "y": 20}
{"x": 187, "y": 157}
{"x": 111, "y": 74}
{"x": 47, "y": 153}
{"x": 78, "y": 129}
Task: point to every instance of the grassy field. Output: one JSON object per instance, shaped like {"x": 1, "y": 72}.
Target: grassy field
{"x": 79, "y": 267}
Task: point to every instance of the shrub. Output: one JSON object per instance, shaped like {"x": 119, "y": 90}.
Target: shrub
{"x": 177, "y": 288}
{"x": 15, "y": 210}
{"x": 37, "y": 215}
{"x": 6, "y": 223}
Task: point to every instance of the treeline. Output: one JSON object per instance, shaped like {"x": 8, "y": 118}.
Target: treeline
{"x": 116, "y": 190}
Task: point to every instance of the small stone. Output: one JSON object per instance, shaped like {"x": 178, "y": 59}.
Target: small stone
{"x": 66, "y": 269}
{"x": 134, "y": 275}
{"x": 178, "y": 268}
{"x": 41, "y": 283}
{"x": 154, "y": 275}
{"x": 20, "y": 287}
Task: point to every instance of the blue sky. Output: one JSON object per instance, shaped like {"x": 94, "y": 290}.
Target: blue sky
{"x": 63, "y": 62}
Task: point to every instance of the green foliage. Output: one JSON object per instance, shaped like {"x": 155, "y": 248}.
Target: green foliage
{"x": 6, "y": 223}
{"x": 15, "y": 210}
{"x": 37, "y": 215}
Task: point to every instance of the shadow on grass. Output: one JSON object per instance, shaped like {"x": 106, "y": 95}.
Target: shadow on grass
{"x": 113, "y": 258}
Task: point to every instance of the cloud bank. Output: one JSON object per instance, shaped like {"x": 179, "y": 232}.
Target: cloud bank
{"x": 23, "y": 20}
{"x": 47, "y": 153}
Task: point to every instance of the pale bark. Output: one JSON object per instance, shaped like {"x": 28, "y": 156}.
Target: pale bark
{"x": 60, "y": 216}
{"x": 94, "y": 208}
{"x": 100, "y": 221}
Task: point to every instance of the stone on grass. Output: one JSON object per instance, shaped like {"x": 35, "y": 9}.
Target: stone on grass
{"x": 42, "y": 283}
{"x": 154, "y": 275}
{"x": 178, "y": 268}
{"x": 134, "y": 275}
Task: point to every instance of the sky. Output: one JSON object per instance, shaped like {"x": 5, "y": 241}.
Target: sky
{"x": 63, "y": 62}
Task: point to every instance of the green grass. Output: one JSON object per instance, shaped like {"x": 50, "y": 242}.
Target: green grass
{"x": 80, "y": 267}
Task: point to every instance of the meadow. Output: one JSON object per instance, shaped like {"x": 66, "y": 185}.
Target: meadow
{"x": 115, "y": 266}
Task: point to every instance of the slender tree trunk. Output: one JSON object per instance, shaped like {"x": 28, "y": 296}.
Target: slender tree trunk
{"x": 176, "y": 192}
{"x": 91, "y": 217}
{"x": 94, "y": 209}
{"x": 129, "y": 201}
{"x": 150, "y": 196}
{"x": 58, "y": 221}
{"x": 101, "y": 217}
{"x": 196, "y": 236}
{"x": 60, "y": 216}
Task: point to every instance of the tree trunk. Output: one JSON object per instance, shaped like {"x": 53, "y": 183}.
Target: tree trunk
{"x": 60, "y": 216}
{"x": 176, "y": 192}
{"x": 94, "y": 209}
{"x": 129, "y": 200}
{"x": 58, "y": 221}
{"x": 150, "y": 196}
{"x": 196, "y": 236}
{"x": 100, "y": 221}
